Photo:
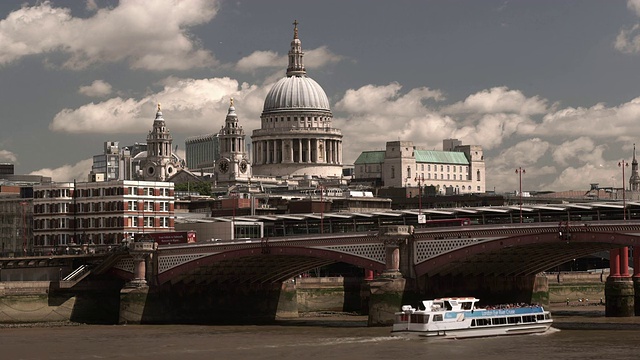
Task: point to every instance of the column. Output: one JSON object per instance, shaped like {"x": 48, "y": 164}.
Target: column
{"x": 308, "y": 150}
{"x": 300, "y": 151}
{"x": 624, "y": 262}
{"x": 619, "y": 288}
{"x": 614, "y": 263}
{"x": 268, "y": 157}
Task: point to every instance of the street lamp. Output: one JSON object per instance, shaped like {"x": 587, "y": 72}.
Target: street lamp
{"x": 520, "y": 171}
{"x": 420, "y": 179}
{"x": 623, "y": 164}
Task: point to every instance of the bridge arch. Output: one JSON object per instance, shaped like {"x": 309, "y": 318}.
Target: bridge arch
{"x": 522, "y": 254}
{"x": 260, "y": 265}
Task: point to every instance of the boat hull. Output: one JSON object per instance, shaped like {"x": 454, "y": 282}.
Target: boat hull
{"x": 521, "y": 329}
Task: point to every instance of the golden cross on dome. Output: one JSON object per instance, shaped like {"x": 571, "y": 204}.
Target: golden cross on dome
{"x": 158, "y": 106}
{"x": 295, "y": 29}
{"x": 231, "y": 101}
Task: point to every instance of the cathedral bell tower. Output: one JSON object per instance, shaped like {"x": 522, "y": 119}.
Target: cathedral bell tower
{"x": 233, "y": 164}
{"x": 160, "y": 163}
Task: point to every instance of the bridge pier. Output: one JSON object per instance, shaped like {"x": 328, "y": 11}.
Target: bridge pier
{"x": 389, "y": 291}
{"x": 619, "y": 288}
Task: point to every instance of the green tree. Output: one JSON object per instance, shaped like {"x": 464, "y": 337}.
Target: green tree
{"x": 201, "y": 187}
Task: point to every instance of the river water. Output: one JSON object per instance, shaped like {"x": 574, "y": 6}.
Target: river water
{"x": 582, "y": 336}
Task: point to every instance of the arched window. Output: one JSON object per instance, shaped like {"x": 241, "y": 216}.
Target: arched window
{"x": 478, "y": 175}
{"x": 393, "y": 172}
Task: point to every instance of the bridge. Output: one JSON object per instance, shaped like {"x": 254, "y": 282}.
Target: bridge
{"x": 499, "y": 262}
{"x": 496, "y": 250}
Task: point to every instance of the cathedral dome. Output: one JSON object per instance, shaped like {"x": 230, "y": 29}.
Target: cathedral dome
{"x": 296, "y": 92}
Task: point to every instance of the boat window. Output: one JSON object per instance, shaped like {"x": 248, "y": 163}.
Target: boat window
{"x": 448, "y": 305}
{"x": 529, "y": 318}
{"x": 466, "y": 306}
{"x": 437, "y": 317}
{"x": 540, "y": 317}
{"x": 499, "y": 321}
{"x": 473, "y": 322}
{"x": 514, "y": 320}
{"x": 483, "y": 322}
{"x": 419, "y": 318}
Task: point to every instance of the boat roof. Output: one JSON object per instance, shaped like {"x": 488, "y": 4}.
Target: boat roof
{"x": 457, "y": 299}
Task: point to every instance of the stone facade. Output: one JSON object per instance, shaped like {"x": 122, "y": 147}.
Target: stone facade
{"x": 296, "y": 137}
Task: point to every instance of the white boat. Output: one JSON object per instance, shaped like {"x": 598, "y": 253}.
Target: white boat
{"x": 456, "y": 318}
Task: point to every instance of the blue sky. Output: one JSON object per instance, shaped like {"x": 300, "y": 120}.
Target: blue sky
{"x": 550, "y": 86}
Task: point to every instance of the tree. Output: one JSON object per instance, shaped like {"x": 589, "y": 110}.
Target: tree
{"x": 201, "y": 187}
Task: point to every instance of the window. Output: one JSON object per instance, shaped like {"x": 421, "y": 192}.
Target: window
{"x": 478, "y": 188}
{"x": 478, "y": 175}
{"x": 393, "y": 172}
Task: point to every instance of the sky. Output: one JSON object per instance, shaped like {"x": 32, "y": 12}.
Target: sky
{"x": 552, "y": 87}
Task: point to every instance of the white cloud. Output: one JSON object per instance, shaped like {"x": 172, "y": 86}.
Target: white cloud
{"x": 98, "y": 88}
{"x": 6, "y": 155}
{"x": 260, "y": 59}
{"x": 313, "y": 59}
{"x": 526, "y": 155}
{"x": 78, "y": 171}
{"x": 149, "y": 35}
{"x": 597, "y": 121}
{"x": 188, "y": 105}
{"x": 628, "y": 40}
{"x": 498, "y": 100}
{"x": 377, "y": 114}
{"x": 320, "y": 57}
{"x": 634, "y": 5}
{"x": 581, "y": 150}
{"x": 581, "y": 177}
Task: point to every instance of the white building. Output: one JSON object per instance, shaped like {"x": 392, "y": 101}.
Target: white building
{"x": 296, "y": 136}
{"x": 457, "y": 169}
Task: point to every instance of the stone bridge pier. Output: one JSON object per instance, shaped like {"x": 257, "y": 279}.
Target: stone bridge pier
{"x": 393, "y": 288}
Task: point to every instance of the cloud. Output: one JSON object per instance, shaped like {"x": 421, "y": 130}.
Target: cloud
{"x": 6, "y": 155}
{"x": 98, "y": 88}
{"x": 581, "y": 150}
{"x": 598, "y": 121}
{"x": 78, "y": 171}
{"x": 149, "y": 35}
{"x": 260, "y": 59}
{"x": 320, "y": 57}
{"x": 377, "y": 114}
{"x": 498, "y": 100}
{"x": 188, "y": 105}
{"x": 634, "y": 5}
{"x": 313, "y": 59}
{"x": 628, "y": 40}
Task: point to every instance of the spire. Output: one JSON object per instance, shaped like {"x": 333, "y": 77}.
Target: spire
{"x": 296, "y": 67}
{"x": 159, "y": 114}
{"x": 634, "y": 155}
{"x": 232, "y": 117}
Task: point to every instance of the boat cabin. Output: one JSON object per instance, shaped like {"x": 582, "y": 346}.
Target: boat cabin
{"x": 450, "y": 304}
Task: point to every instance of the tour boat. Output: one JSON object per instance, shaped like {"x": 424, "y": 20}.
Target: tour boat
{"x": 458, "y": 317}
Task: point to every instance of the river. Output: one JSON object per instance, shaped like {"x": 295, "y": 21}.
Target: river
{"x": 581, "y": 336}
